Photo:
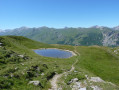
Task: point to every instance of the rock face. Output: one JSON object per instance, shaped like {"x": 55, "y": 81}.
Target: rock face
{"x": 110, "y": 38}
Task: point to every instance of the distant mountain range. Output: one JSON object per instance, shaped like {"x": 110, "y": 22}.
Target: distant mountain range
{"x": 95, "y": 35}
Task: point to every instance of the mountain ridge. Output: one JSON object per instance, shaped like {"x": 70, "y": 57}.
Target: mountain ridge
{"x": 94, "y": 26}
{"x": 95, "y": 35}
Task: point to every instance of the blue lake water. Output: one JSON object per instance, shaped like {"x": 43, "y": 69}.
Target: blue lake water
{"x": 56, "y": 53}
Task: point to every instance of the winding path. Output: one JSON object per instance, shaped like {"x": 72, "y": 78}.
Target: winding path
{"x": 54, "y": 80}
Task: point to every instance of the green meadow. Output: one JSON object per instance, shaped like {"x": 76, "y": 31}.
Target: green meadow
{"x": 19, "y": 64}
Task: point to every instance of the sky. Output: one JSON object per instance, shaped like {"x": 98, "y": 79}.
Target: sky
{"x": 58, "y": 13}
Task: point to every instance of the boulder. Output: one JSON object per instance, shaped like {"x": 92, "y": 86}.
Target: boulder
{"x": 96, "y": 79}
{"x": 21, "y": 56}
{"x": 74, "y": 80}
{"x": 36, "y": 83}
{"x": 42, "y": 74}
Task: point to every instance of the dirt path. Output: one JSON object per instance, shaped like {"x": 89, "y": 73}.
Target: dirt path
{"x": 54, "y": 81}
{"x": 57, "y": 76}
{"x": 75, "y": 61}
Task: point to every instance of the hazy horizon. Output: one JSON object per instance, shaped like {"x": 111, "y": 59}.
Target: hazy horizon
{"x": 56, "y": 27}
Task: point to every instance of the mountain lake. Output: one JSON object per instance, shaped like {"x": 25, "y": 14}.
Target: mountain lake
{"x": 55, "y": 53}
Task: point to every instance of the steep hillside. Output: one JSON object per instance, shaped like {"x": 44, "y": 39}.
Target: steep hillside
{"x": 95, "y": 35}
{"x": 93, "y": 67}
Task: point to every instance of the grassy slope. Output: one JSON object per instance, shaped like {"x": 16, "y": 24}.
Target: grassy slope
{"x": 100, "y": 62}
{"x": 95, "y": 60}
{"x": 24, "y": 46}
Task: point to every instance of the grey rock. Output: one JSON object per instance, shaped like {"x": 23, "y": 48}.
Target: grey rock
{"x": 42, "y": 74}
{"x": 21, "y": 56}
{"x": 96, "y": 88}
{"x": 36, "y": 83}
{"x": 83, "y": 88}
{"x": 96, "y": 79}
{"x": 74, "y": 80}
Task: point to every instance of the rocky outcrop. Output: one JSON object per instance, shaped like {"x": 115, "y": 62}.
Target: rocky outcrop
{"x": 110, "y": 38}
